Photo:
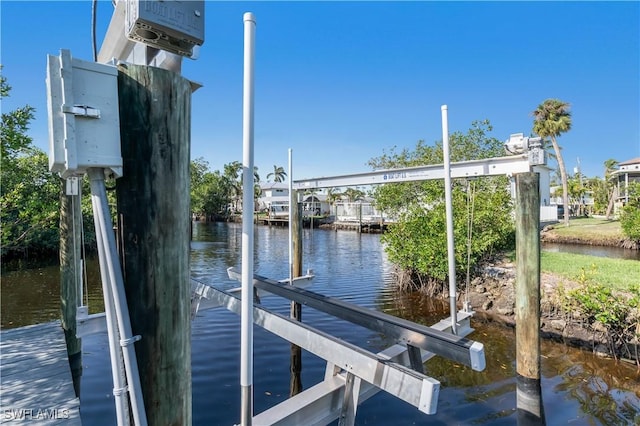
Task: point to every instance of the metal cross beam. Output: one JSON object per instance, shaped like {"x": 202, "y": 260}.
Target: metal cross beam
{"x": 321, "y": 404}
{"x": 415, "y": 388}
{"x": 464, "y": 169}
{"x": 456, "y": 348}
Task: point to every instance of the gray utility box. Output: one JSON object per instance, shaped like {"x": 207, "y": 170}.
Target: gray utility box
{"x": 171, "y": 25}
{"x": 84, "y": 120}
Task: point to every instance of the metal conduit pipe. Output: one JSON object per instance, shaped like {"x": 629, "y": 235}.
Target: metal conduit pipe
{"x": 112, "y": 265}
{"x": 117, "y": 367}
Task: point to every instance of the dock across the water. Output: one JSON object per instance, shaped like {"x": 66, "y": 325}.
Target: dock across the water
{"x": 35, "y": 377}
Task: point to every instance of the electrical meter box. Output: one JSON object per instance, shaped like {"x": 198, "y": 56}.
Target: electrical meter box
{"x": 172, "y": 25}
{"x": 84, "y": 120}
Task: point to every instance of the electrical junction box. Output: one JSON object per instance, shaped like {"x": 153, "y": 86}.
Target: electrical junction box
{"x": 84, "y": 118}
{"x": 171, "y": 25}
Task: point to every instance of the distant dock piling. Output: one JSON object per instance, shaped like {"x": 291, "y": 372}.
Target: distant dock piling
{"x": 295, "y": 386}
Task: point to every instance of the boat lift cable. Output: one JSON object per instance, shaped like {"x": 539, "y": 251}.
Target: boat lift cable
{"x": 471, "y": 188}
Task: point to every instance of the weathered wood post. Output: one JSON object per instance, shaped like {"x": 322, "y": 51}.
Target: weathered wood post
{"x": 529, "y": 391}
{"x": 295, "y": 384}
{"x": 153, "y": 209}
{"x": 71, "y": 275}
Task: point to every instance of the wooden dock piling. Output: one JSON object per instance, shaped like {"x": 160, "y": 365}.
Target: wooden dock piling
{"x": 295, "y": 385}
{"x": 153, "y": 208}
{"x": 529, "y": 391}
{"x": 71, "y": 276}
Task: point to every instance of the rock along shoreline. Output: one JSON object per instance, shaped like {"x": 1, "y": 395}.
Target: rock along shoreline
{"x": 492, "y": 296}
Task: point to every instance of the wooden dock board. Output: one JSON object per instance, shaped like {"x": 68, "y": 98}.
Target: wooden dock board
{"x": 35, "y": 378}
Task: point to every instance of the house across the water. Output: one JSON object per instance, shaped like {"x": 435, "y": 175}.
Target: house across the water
{"x": 627, "y": 174}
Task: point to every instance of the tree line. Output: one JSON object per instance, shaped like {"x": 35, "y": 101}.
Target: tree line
{"x": 30, "y": 195}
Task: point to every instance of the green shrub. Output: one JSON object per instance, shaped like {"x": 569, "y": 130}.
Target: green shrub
{"x": 417, "y": 244}
{"x": 630, "y": 217}
{"x": 598, "y": 302}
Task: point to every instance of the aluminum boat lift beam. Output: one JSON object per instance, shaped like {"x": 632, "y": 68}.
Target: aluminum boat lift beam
{"x": 451, "y": 346}
{"x": 464, "y": 169}
{"x": 352, "y": 374}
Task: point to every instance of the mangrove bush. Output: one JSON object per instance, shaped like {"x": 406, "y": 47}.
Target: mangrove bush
{"x": 482, "y": 211}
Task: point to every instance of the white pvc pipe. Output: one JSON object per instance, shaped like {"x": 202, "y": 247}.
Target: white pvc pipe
{"x": 246, "y": 317}
{"x": 291, "y": 204}
{"x": 112, "y": 264}
{"x": 117, "y": 367}
{"x": 449, "y": 212}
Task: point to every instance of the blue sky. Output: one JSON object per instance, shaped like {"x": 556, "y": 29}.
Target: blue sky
{"x": 340, "y": 82}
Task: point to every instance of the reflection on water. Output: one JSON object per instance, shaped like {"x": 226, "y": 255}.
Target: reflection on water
{"x": 577, "y": 387}
{"x": 32, "y": 296}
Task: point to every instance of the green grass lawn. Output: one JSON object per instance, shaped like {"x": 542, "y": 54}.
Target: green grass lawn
{"x": 617, "y": 273}
{"x": 590, "y": 229}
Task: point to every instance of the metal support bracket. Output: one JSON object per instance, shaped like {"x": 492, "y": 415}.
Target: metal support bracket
{"x": 130, "y": 340}
{"x": 81, "y": 111}
{"x": 415, "y": 358}
{"x": 120, "y": 391}
{"x": 350, "y": 400}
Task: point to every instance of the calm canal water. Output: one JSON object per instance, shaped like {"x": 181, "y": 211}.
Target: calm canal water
{"x": 578, "y": 388}
{"x": 599, "y": 251}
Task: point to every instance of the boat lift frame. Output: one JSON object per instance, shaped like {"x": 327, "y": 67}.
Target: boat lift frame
{"x": 352, "y": 373}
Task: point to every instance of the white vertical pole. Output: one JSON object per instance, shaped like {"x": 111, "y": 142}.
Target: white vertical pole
{"x": 117, "y": 366}
{"x": 246, "y": 325}
{"x": 449, "y": 212}
{"x": 291, "y": 204}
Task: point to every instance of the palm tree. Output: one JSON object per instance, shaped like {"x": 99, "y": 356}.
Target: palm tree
{"x": 278, "y": 174}
{"x": 333, "y": 195}
{"x": 231, "y": 175}
{"x": 610, "y": 166}
{"x": 353, "y": 194}
{"x": 551, "y": 119}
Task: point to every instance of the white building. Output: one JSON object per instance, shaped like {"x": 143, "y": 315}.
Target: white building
{"x": 274, "y": 198}
{"x": 628, "y": 173}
